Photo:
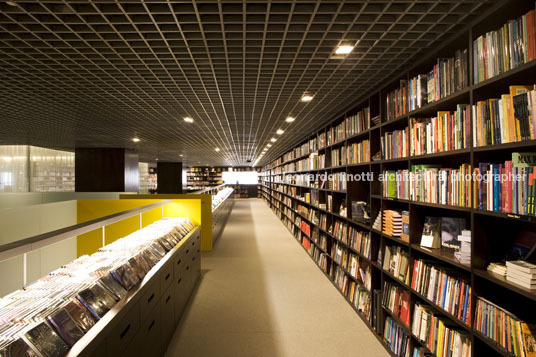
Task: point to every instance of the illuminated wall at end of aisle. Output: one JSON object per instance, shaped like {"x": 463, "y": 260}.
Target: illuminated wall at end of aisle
{"x": 240, "y": 177}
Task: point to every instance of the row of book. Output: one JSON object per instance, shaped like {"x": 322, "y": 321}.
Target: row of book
{"x": 396, "y": 300}
{"x": 338, "y": 157}
{"x": 438, "y": 334}
{"x": 395, "y": 144}
{"x": 504, "y": 49}
{"x": 49, "y": 316}
{"x": 448, "y": 76}
{"x": 503, "y": 327}
{"x": 396, "y": 261}
{"x": 359, "y": 296}
{"x": 358, "y": 153}
{"x": 396, "y": 338}
{"x": 339, "y": 231}
{"x": 445, "y": 132}
{"x": 510, "y": 118}
{"x": 358, "y": 122}
{"x": 430, "y": 183}
{"x": 507, "y": 187}
{"x": 444, "y": 287}
{"x": 360, "y": 241}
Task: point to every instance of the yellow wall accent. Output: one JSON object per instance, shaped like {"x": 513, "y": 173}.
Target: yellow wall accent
{"x": 87, "y": 210}
{"x": 196, "y": 207}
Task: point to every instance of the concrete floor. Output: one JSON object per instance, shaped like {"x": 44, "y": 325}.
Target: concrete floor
{"x": 260, "y": 294}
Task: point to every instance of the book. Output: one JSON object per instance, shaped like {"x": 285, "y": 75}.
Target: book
{"x": 46, "y": 340}
{"x": 96, "y": 306}
{"x": 113, "y": 287}
{"x": 405, "y": 226}
{"x": 80, "y": 315}
{"x": 431, "y": 232}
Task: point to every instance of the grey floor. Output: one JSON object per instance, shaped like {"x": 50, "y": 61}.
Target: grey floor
{"x": 260, "y": 294}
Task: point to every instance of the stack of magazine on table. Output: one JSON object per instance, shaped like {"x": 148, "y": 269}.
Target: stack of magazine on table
{"x": 47, "y": 317}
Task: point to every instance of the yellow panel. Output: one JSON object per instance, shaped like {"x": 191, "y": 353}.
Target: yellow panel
{"x": 196, "y": 207}
{"x": 151, "y": 216}
{"x": 87, "y": 210}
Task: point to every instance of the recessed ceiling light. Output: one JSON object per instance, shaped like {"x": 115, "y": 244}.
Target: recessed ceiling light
{"x": 11, "y": 3}
{"x": 156, "y": 159}
{"x": 136, "y": 140}
{"x": 290, "y": 119}
{"x": 180, "y": 155}
{"x": 273, "y": 140}
{"x": 188, "y": 120}
{"x": 217, "y": 149}
{"x": 306, "y": 98}
{"x": 344, "y": 49}
{"x": 269, "y": 145}
{"x": 280, "y": 131}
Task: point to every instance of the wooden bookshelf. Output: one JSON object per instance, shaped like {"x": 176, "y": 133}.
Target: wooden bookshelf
{"x": 488, "y": 228}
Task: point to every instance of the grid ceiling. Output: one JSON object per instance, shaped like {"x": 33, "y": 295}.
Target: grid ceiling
{"x": 98, "y": 73}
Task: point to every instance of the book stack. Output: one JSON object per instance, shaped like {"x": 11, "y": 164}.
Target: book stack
{"x": 392, "y": 223}
{"x": 503, "y": 327}
{"x": 396, "y": 300}
{"x": 497, "y": 268}
{"x": 396, "y": 261}
{"x": 439, "y": 336}
{"x": 443, "y": 287}
{"x": 463, "y": 254}
{"x": 521, "y": 273}
{"x": 378, "y": 222}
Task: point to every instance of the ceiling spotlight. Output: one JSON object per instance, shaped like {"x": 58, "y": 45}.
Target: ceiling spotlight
{"x": 269, "y": 145}
{"x": 280, "y": 131}
{"x": 11, "y": 3}
{"x": 180, "y": 155}
{"x": 306, "y": 98}
{"x": 136, "y": 140}
{"x": 290, "y": 119}
{"x": 188, "y": 120}
{"x": 217, "y": 149}
{"x": 344, "y": 49}
{"x": 273, "y": 140}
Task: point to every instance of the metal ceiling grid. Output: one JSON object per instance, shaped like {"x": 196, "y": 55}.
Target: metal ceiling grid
{"x": 98, "y": 73}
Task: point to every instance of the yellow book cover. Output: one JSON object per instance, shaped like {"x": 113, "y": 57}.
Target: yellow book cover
{"x": 528, "y": 333}
{"x": 505, "y": 99}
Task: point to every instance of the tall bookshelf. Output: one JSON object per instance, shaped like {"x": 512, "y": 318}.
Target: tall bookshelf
{"x": 303, "y": 205}
{"x": 202, "y": 177}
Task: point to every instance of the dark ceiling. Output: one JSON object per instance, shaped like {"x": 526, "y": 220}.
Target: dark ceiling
{"x": 98, "y": 73}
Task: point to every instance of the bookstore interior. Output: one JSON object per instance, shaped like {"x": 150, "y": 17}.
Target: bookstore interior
{"x": 141, "y": 142}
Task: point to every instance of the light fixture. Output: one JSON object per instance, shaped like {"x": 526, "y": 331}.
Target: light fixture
{"x": 306, "y": 98}
{"x": 188, "y": 120}
{"x": 269, "y": 145}
{"x": 180, "y": 155}
{"x": 217, "y": 149}
{"x": 11, "y": 3}
{"x": 273, "y": 140}
{"x": 344, "y": 49}
{"x": 280, "y": 131}
{"x": 290, "y": 119}
{"x": 136, "y": 140}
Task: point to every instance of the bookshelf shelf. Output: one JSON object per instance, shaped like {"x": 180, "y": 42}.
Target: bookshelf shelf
{"x": 499, "y": 349}
{"x": 502, "y": 282}
{"x": 441, "y": 255}
{"x": 486, "y": 227}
